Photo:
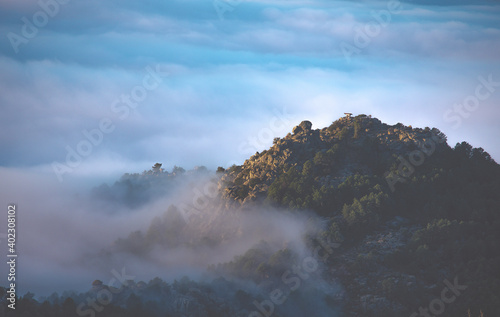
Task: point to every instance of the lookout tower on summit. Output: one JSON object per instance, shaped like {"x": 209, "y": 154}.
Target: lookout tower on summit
{"x": 348, "y": 115}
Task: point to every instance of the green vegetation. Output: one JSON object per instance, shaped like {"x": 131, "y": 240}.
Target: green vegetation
{"x": 258, "y": 263}
{"x": 399, "y": 241}
{"x": 448, "y": 200}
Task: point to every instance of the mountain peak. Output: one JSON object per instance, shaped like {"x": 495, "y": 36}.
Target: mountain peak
{"x": 349, "y": 146}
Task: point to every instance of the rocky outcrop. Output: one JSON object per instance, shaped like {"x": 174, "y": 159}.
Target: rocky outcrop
{"x": 363, "y": 144}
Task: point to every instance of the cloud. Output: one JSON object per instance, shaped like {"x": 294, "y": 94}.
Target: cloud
{"x": 226, "y": 78}
{"x": 227, "y": 82}
{"x": 73, "y": 236}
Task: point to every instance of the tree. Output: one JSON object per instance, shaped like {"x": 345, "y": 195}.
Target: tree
{"x": 307, "y": 169}
{"x": 342, "y": 135}
{"x": 463, "y": 150}
{"x": 354, "y": 213}
{"x": 357, "y": 128}
{"x": 220, "y": 169}
{"x": 134, "y": 305}
{"x": 178, "y": 170}
{"x": 166, "y": 230}
{"x": 69, "y": 308}
{"x": 157, "y": 168}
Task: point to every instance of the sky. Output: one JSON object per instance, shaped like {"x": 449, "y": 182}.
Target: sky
{"x": 99, "y": 88}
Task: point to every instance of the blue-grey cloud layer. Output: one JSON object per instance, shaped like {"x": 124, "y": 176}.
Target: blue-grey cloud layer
{"x": 228, "y": 78}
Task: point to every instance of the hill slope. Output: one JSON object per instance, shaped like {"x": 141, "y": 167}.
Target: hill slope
{"x": 359, "y": 218}
{"x": 409, "y": 210}
{"x": 360, "y": 145}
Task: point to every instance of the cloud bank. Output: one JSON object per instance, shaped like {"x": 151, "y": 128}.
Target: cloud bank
{"x": 422, "y": 60}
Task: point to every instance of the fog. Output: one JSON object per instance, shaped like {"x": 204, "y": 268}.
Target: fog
{"x": 69, "y": 235}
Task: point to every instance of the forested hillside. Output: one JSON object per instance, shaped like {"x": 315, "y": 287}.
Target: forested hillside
{"x": 397, "y": 223}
